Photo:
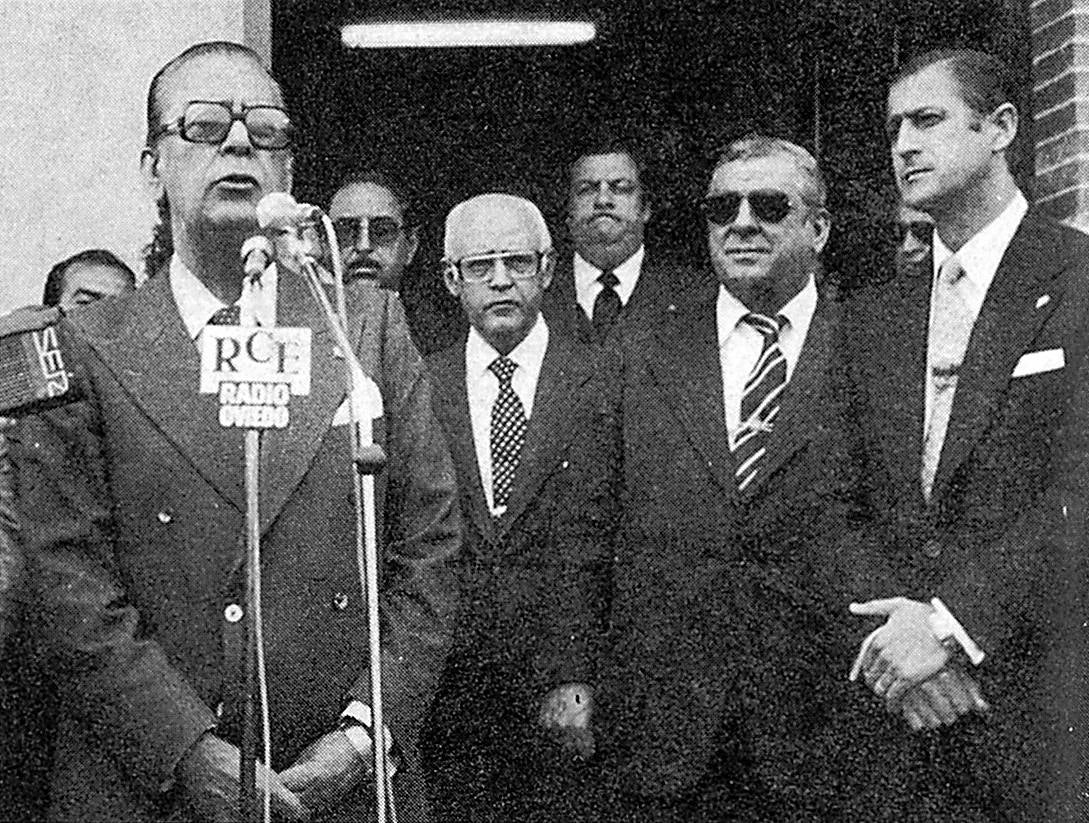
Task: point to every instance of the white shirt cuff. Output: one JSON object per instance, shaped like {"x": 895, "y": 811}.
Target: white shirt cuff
{"x": 362, "y": 714}
{"x": 944, "y": 625}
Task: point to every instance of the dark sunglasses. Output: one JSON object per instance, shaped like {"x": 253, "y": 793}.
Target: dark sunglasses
{"x": 919, "y": 229}
{"x": 768, "y": 205}
{"x": 381, "y": 231}
{"x": 209, "y": 121}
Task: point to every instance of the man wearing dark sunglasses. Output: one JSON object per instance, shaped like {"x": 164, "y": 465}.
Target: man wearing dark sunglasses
{"x": 721, "y": 680}
{"x": 914, "y": 231}
{"x": 963, "y": 377}
{"x": 533, "y": 424}
{"x": 134, "y": 503}
{"x": 376, "y": 237}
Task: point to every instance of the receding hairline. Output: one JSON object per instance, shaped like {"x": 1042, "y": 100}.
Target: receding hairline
{"x": 756, "y": 146}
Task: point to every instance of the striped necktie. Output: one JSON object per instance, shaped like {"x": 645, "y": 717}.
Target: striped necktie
{"x": 761, "y": 399}
{"x": 508, "y": 431}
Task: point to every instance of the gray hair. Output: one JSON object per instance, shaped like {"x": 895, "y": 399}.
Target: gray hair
{"x": 461, "y": 213}
{"x": 754, "y": 145}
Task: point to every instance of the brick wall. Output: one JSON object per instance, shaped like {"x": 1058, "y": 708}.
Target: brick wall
{"x": 1060, "y": 103}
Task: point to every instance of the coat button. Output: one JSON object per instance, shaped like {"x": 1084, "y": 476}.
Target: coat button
{"x": 164, "y": 517}
{"x": 340, "y": 601}
{"x": 932, "y": 549}
{"x": 233, "y": 613}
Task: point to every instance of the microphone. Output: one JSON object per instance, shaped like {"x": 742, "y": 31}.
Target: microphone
{"x": 34, "y": 372}
{"x": 280, "y": 211}
{"x": 257, "y": 255}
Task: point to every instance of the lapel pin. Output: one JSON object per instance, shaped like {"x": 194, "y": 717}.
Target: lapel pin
{"x": 1043, "y": 300}
{"x": 337, "y": 352}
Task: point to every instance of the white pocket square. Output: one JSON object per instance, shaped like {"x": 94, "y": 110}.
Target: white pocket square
{"x": 343, "y": 415}
{"x": 1035, "y": 362}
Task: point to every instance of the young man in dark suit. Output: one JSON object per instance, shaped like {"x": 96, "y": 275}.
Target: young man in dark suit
{"x": 720, "y": 691}
{"x": 963, "y": 372}
{"x": 533, "y": 426}
{"x": 133, "y": 509}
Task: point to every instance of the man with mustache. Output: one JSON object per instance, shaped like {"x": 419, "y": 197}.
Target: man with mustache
{"x": 963, "y": 379}
{"x": 606, "y": 283}
{"x": 134, "y": 508}
{"x": 533, "y": 425}
{"x": 377, "y": 237}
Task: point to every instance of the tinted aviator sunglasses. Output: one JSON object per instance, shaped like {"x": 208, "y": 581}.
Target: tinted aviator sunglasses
{"x": 919, "y": 229}
{"x": 767, "y": 205}
{"x": 381, "y": 230}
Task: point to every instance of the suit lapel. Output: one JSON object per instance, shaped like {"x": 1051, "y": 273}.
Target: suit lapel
{"x": 286, "y": 454}
{"x": 895, "y": 357}
{"x": 454, "y": 410}
{"x": 563, "y": 373}
{"x": 803, "y": 402}
{"x": 685, "y": 364}
{"x": 1008, "y": 322}
{"x": 157, "y": 364}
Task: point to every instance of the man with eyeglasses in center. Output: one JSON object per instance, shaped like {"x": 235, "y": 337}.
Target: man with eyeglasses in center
{"x": 133, "y": 506}
{"x": 533, "y": 425}
{"x": 720, "y": 688}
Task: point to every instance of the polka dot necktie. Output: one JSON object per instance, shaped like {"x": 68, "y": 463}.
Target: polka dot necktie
{"x": 606, "y": 306}
{"x": 227, "y": 316}
{"x": 761, "y": 399}
{"x": 508, "y": 431}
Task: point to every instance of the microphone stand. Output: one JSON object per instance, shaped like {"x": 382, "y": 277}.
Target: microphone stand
{"x": 368, "y": 459}
{"x": 256, "y": 682}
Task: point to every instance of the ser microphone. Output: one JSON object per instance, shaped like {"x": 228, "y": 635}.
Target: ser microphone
{"x": 34, "y": 362}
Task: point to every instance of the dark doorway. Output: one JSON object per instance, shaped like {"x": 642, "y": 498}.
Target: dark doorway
{"x": 684, "y": 77}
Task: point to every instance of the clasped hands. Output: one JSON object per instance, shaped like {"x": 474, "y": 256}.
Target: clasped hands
{"x": 905, "y": 663}
{"x": 321, "y": 777}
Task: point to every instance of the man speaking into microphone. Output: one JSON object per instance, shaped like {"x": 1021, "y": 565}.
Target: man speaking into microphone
{"x": 134, "y": 508}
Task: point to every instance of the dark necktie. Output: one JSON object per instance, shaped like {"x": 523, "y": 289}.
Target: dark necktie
{"x": 606, "y": 305}
{"x": 227, "y": 316}
{"x": 508, "y": 431}
{"x": 761, "y": 399}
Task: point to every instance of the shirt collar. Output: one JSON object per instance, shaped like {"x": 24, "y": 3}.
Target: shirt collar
{"x": 196, "y": 302}
{"x": 983, "y": 252}
{"x": 627, "y": 273}
{"x": 528, "y": 355}
{"x": 798, "y": 310}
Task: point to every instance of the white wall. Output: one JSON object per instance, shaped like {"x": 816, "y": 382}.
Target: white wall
{"x": 73, "y": 83}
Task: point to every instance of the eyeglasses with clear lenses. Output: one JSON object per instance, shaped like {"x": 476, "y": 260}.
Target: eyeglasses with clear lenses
{"x": 768, "y": 206}
{"x": 519, "y": 265}
{"x": 210, "y": 121}
{"x": 381, "y": 230}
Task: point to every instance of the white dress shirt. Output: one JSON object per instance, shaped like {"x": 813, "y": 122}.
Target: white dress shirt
{"x": 979, "y": 258}
{"x": 482, "y": 389}
{"x": 739, "y": 345}
{"x": 587, "y": 286}
{"x": 196, "y": 303}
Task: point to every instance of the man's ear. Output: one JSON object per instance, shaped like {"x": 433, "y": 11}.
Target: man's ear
{"x": 548, "y": 267}
{"x": 1005, "y": 120}
{"x": 413, "y": 241}
{"x": 149, "y": 170}
{"x": 822, "y": 227}
{"x": 450, "y": 278}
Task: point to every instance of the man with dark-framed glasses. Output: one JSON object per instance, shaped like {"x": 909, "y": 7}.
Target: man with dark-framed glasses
{"x": 719, "y": 694}
{"x": 374, "y": 227}
{"x": 134, "y": 508}
{"x": 532, "y": 421}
